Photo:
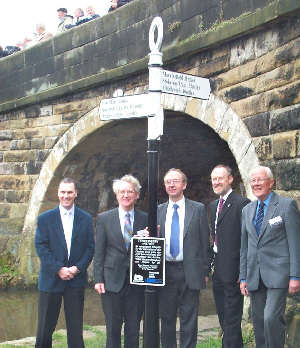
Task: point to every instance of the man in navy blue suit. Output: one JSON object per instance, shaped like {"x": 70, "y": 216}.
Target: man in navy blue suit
{"x": 64, "y": 242}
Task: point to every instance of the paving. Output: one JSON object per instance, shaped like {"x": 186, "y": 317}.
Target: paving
{"x": 208, "y": 326}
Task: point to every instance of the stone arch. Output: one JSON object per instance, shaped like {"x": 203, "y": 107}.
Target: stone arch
{"x": 213, "y": 112}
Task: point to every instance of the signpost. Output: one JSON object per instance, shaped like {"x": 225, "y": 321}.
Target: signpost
{"x": 148, "y": 254}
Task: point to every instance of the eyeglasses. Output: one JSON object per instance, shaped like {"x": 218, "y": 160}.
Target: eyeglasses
{"x": 128, "y": 193}
{"x": 172, "y": 182}
{"x": 258, "y": 180}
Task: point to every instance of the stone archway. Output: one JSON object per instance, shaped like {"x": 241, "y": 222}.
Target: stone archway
{"x": 213, "y": 112}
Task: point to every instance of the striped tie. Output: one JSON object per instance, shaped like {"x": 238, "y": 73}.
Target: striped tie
{"x": 127, "y": 230}
{"x": 259, "y": 217}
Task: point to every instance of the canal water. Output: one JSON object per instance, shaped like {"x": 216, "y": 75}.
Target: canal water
{"x": 18, "y": 312}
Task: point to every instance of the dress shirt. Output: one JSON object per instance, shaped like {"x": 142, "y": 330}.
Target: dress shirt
{"x": 67, "y": 219}
{"x": 217, "y": 215}
{"x": 122, "y": 217}
{"x": 169, "y": 215}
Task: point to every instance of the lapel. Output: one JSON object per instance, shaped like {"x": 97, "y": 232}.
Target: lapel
{"x": 189, "y": 212}
{"x": 226, "y": 207}
{"x": 76, "y": 224}
{"x": 213, "y": 213}
{"x": 162, "y": 212}
{"x": 116, "y": 229}
{"x": 252, "y": 211}
{"x": 271, "y": 211}
{"x": 59, "y": 229}
{"x": 137, "y": 223}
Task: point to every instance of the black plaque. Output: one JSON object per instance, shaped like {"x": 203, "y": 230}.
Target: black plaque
{"x": 147, "y": 262}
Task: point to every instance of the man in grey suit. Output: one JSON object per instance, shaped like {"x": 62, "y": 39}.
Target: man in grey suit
{"x": 121, "y": 302}
{"x": 184, "y": 225}
{"x": 270, "y": 257}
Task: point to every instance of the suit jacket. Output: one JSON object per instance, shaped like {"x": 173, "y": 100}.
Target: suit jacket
{"x": 275, "y": 254}
{"x": 195, "y": 241}
{"x": 52, "y": 250}
{"x": 227, "y": 260}
{"x": 111, "y": 263}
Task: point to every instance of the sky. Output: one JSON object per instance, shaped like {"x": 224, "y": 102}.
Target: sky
{"x": 19, "y": 18}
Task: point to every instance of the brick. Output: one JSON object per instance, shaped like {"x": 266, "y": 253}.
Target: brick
{"x": 284, "y": 145}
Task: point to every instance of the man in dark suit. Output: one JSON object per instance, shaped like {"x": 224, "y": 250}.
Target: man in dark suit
{"x": 121, "y": 301}
{"x": 64, "y": 242}
{"x": 225, "y": 225}
{"x": 270, "y": 257}
{"x": 184, "y": 225}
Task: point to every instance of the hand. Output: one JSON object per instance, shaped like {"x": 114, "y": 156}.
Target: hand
{"x": 99, "y": 287}
{"x": 243, "y": 288}
{"x": 143, "y": 233}
{"x": 294, "y": 286}
{"x": 65, "y": 274}
{"x": 74, "y": 270}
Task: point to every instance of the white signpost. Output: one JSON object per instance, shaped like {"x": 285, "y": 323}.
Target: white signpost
{"x": 184, "y": 84}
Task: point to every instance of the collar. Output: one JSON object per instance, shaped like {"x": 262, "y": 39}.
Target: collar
{"x": 180, "y": 203}
{"x": 64, "y": 211}
{"x": 267, "y": 200}
{"x": 123, "y": 212}
{"x": 226, "y": 195}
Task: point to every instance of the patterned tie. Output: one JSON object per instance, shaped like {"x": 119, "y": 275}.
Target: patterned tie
{"x": 127, "y": 230}
{"x": 220, "y": 207}
{"x": 174, "y": 240}
{"x": 259, "y": 217}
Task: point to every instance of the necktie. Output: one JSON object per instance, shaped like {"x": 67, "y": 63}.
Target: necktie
{"x": 220, "y": 207}
{"x": 174, "y": 240}
{"x": 259, "y": 217}
{"x": 127, "y": 230}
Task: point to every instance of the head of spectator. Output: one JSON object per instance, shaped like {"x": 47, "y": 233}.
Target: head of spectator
{"x": 62, "y": 12}
{"x": 78, "y": 13}
{"x": 26, "y": 43}
{"x": 2, "y": 52}
{"x": 20, "y": 45}
{"x": 41, "y": 31}
{"x": 91, "y": 12}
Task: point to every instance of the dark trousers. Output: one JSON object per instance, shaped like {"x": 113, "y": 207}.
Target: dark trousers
{"x": 126, "y": 307}
{"x": 268, "y": 307}
{"x": 229, "y": 304}
{"x": 48, "y": 312}
{"x": 175, "y": 297}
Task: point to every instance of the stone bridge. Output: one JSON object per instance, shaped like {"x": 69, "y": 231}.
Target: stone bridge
{"x": 50, "y": 95}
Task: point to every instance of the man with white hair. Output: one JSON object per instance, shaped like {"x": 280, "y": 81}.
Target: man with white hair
{"x": 270, "y": 257}
{"x": 121, "y": 302}
{"x": 42, "y": 33}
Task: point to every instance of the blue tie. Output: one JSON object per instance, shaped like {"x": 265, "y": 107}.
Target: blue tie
{"x": 174, "y": 240}
{"x": 259, "y": 217}
{"x": 127, "y": 230}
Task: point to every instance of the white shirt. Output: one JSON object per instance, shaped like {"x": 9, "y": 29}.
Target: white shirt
{"x": 168, "y": 223}
{"x": 122, "y": 216}
{"x": 67, "y": 219}
{"x": 217, "y": 214}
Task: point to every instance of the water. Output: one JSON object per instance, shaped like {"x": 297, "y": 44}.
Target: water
{"x": 18, "y": 312}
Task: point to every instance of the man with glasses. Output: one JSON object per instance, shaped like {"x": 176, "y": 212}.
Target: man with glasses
{"x": 225, "y": 226}
{"x": 270, "y": 257}
{"x": 121, "y": 302}
{"x": 184, "y": 225}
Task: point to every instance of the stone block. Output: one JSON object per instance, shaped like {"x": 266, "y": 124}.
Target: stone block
{"x": 13, "y": 196}
{"x": 11, "y": 226}
{"x": 12, "y": 168}
{"x": 263, "y": 148}
{"x": 4, "y": 210}
{"x": 23, "y": 144}
{"x": 33, "y": 167}
{"x": 258, "y": 125}
{"x": 20, "y": 182}
{"x": 5, "y": 145}
{"x": 284, "y": 145}
{"x": 37, "y": 143}
{"x": 38, "y": 53}
{"x": 288, "y": 175}
{"x": 6, "y": 134}
{"x": 2, "y": 196}
{"x": 50, "y": 142}
{"x": 285, "y": 119}
{"x": 18, "y": 156}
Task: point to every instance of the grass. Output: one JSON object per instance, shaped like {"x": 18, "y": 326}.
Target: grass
{"x": 98, "y": 340}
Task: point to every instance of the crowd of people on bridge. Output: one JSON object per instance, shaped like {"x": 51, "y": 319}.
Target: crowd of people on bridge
{"x": 66, "y": 22}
